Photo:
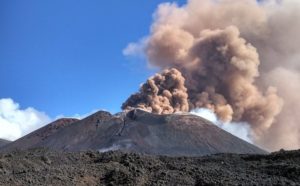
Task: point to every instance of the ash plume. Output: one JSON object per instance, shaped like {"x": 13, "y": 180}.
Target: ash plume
{"x": 163, "y": 93}
{"x": 240, "y": 59}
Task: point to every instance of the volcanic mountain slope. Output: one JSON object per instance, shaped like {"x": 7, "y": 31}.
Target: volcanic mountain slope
{"x": 4, "y": 142}
{"x": 142, "y": 132}
{"x": 35, "y": 138}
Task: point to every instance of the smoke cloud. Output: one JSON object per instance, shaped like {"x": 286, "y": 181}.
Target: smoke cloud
{"x": 163, "y": 93}
{"x": 239, "y": 58}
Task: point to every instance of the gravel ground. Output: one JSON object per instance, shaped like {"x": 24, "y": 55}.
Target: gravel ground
{"x": 45, "y": 167}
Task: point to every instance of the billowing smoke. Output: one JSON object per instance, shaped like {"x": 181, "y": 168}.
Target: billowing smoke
{"x": 240, "y": 59}
{"x": 163, "y": 93}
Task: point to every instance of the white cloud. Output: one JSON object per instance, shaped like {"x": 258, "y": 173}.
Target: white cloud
{"x": 136, "y": 49}
{"x": 241, "y": 129}
{"x": 16, "y": 122}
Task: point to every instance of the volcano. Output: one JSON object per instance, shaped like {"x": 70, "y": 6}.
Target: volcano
{"x": 136, "y": 131}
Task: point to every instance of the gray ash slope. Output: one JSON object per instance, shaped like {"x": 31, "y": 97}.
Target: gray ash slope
{"x": 141, "y": 132}
{"x": 48, "y": 167}
{"x": 4, "y": 142}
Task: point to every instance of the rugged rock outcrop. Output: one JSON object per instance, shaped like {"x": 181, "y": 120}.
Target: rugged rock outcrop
{"x": 44, "y": 167}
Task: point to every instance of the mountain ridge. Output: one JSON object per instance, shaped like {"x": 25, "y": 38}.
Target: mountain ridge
{"x": 142, "y": 132}
{"x": 4, "y": 142}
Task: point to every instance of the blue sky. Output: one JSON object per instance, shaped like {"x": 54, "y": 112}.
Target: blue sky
{"x": 65, "y": 56}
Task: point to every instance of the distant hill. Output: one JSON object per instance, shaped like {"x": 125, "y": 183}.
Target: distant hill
{"x": 4, "y": 142}
{"x": 137, "y": 131}
{"x": 35, "y": 138}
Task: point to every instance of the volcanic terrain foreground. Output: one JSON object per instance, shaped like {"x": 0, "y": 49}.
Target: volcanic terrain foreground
{"x": 44, "y": 167}
{"x": 137, "y": 131}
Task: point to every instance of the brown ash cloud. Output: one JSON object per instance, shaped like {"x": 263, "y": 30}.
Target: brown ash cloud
{"x": 239, "y": 58}
{"x": 163, "y": 93}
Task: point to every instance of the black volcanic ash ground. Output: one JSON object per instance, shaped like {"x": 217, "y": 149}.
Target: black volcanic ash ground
{"x": 45, "y": 167}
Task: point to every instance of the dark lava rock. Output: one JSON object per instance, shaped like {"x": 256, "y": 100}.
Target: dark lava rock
{"x": 118, "y": 168}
